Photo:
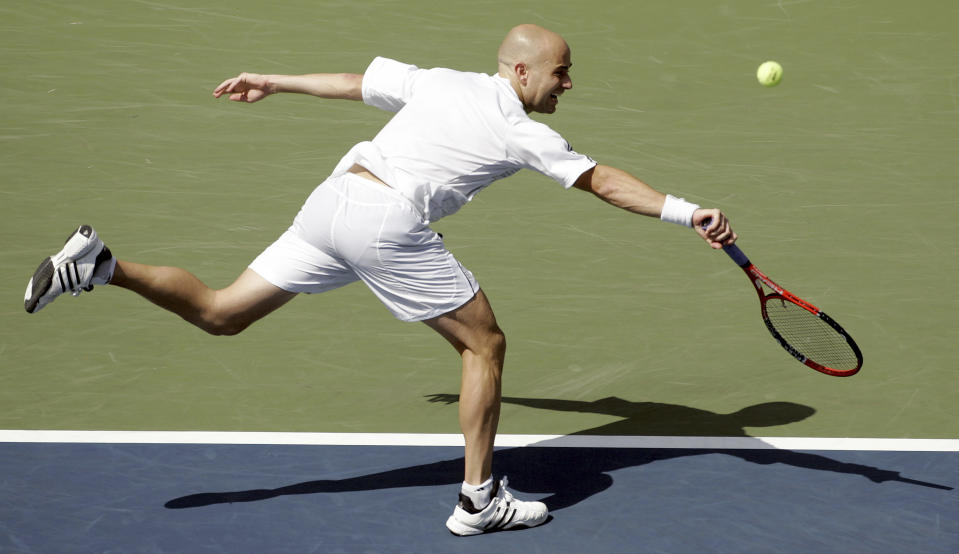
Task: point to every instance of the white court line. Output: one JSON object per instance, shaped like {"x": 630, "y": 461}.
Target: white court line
{"x": 412, "y": 439}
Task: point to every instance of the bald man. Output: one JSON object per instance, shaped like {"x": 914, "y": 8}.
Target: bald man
{"x": 452, "y": 135}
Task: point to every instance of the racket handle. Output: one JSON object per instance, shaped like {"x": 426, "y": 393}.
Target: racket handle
{"x": 732, "y": 250}
{"x": 737, "y": 255}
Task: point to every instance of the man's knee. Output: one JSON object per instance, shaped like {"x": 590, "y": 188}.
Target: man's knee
{"x": 498, "y": 340}
{"x": 223, "y": 326}
{"x": 473, "y": 331}
{"x": 229, "y": 311}
{"x": 219, "y": 320}
{"x": 492, "y": 344}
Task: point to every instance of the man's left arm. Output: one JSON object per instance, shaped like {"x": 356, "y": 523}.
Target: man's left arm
{"x": 625, "y": 191}
{"x": 252, "y": 87}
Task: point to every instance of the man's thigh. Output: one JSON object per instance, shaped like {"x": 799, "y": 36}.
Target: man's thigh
{"x": 250, "y": 297}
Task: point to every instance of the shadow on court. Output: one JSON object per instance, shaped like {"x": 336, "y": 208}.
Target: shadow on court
{"x": 570, "y": 475}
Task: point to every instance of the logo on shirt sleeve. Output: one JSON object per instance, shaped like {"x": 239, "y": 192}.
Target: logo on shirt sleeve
{"x": 569, "y": 148}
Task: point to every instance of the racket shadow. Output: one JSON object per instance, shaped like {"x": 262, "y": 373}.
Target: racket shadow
{"x": 658, "y": 419}
{"x": 568, "y": 476}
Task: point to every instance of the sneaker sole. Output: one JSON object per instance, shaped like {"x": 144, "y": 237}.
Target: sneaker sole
{"x": 463, "y": 530}
{"x": 39, "y": 285}
{"x": 43, "y": 276}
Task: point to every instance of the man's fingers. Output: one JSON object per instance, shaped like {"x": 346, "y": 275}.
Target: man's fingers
{"x": 715, "y": 223}
{"x": 246, "y": 87}
{"x": 248, "y": 95}
{"x": 234, "y": 84}
{"x": 225, "y": 86}
{"x": 727, "y": 237}
{"x": 715, "y": 228}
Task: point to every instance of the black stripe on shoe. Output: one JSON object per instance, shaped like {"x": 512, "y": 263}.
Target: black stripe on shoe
{"x": 76, "y": 274}
{"x": 498, "y": 523}
{"x": 63, "y": 286}
{"x": 510, "y": 518}
{"x": 66, "y": 269}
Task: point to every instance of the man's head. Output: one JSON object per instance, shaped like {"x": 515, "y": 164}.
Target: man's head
{"x": 536, "y": 61}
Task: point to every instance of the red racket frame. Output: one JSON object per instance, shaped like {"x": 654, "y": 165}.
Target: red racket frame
{"x": 758, "y": 279}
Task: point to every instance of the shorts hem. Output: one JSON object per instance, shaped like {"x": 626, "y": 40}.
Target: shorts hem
{"x": 278, "y": 283}
{"x": 436, "y": 312}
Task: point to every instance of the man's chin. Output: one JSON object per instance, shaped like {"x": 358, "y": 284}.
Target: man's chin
{"x": 548, "y": 108}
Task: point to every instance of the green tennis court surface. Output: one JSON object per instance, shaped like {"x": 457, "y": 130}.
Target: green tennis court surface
{"x": 840, "y": 182}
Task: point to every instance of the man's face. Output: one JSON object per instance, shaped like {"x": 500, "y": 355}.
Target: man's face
{"x": 546, "y": 79}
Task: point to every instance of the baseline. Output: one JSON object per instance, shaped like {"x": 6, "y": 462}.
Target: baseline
{"x": 442, "y": 439}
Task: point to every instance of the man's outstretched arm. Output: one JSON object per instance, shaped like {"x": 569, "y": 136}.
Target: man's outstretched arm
{"x": 251, "y": 87}
{"x": 622, "y": 190}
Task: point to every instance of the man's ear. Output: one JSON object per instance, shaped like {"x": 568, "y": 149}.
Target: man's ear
{"x": 522, "y": 73}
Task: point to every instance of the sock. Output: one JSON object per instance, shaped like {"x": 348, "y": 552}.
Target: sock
{"x": 105, "y": 265}
{"x": 479, "y": 495}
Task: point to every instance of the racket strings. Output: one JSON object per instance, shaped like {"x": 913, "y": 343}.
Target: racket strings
{"x": 807, "y": 333}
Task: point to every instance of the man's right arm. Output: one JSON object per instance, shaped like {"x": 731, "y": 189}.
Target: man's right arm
{"x": 625, "y": 191}
{"x": 251, "y": 87}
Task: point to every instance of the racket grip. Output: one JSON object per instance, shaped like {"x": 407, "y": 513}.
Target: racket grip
{"x": 737, "y": 255}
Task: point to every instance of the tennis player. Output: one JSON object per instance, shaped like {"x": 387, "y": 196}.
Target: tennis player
{"x": 453, "y": 133}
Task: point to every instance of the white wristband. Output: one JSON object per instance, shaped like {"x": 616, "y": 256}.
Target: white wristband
{"x": 678, "y": 211}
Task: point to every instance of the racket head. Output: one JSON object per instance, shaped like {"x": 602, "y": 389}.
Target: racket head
{"x": 810, "y": 336}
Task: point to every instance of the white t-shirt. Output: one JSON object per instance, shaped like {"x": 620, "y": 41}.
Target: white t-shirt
{"x": 453, "y": 134}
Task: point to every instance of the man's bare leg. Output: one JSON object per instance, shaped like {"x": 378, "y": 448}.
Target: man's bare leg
{"x": 473, "y": 331}
{"x": 220, "y": 312}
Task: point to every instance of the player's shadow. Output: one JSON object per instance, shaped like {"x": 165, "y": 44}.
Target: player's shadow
{"x": 569, "y": 475}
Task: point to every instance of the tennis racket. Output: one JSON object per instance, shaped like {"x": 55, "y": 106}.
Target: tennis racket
{"x": 803, "y": 330}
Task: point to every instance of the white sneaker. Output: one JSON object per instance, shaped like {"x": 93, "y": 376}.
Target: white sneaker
{"x": 503, "y": 512}
{"x": 83, "y": 262}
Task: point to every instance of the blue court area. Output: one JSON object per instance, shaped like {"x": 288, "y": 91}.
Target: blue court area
{"x": 58, "y": 497}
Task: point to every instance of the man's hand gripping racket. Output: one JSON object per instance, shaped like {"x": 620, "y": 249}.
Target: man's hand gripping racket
{"x": 803, "y": 330}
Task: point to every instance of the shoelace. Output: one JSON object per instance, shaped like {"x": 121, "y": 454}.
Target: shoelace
{"x": 504, "y": 482}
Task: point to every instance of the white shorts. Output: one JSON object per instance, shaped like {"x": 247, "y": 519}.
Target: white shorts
{"x": 352, "y": 229}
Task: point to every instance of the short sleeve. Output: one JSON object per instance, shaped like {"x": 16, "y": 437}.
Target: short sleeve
{"x": 388, "y": 84}
{"x": 542, "y": 149}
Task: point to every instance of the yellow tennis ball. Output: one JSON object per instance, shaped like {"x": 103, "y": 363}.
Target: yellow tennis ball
{"x": 769, "y": 73}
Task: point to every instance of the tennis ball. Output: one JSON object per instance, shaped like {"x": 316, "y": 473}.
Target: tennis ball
{"x": 769, "y": 73}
